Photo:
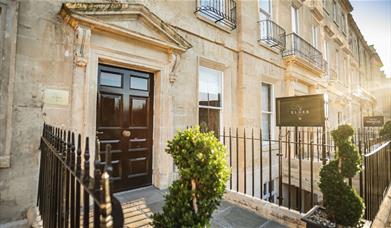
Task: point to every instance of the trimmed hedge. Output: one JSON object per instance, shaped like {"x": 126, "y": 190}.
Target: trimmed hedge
{"x": 203, "y": 169}
{"x": 343, "y": 204}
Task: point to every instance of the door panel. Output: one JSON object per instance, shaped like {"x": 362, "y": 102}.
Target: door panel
{"x": 124, "y": 121}
{"x": 110, "y": 115}
{"x": 138, "y": 112}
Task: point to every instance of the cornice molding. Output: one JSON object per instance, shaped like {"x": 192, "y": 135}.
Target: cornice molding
{"x": 87, "y": 14}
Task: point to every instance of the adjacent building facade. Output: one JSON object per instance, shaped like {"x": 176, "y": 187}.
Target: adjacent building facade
{"x": 133, "y": 72}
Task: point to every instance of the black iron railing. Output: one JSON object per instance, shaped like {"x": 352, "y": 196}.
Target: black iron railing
{"x": 66, "y": 187}
{"x": 276, "y": 164}
{"x": 220, "y": 11}
{"x": 272, "y": 34}
{"x": 297, "y": 46}
{"x": 286, "y": 165}
{"x": 377, "y": 178}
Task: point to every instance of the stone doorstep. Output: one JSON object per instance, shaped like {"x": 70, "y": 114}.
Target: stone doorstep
{"x": 234, "y": 211}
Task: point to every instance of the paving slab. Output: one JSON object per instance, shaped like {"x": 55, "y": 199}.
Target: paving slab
{"x": 138, "y": 205}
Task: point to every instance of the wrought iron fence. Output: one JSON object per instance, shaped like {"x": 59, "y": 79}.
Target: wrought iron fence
{"x": 221, "y": 11}
{"x": 285, "y": 169}
{"x": 66, "y": 187}
{"x": 272, "y": 33}
{"x": 297, "y": 46}
{"x": 377, "y": 178}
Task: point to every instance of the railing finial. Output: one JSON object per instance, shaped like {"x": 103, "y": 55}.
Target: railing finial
{"x": 106, "y": 220}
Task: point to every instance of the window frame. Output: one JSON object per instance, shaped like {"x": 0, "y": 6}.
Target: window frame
{"x": 343, "y": 22}
{"x": 315, "y": 35}
{"x": 337, "y": 64}
{"x": 295, "y": 20}
{"x": 266, "y": 196}
{"x": 269, "y": 15}
{"x": 272, "y": 112}
{"x": 335, "y": 12}
{"x": 221, "y": 108}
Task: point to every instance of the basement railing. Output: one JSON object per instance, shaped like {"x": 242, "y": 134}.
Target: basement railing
{"x": 68, "y": 196}
{"x": 377, "y": 178}
{"x": 298, "y": 47}
{"x": 272, "y": 34}
{"x": 284, "y": 170}
{"x": 222, "y": 12}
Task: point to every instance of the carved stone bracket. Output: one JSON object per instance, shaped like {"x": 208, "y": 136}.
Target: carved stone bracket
{"x": 174, "y": 59}
{"x": 81, "y": 45}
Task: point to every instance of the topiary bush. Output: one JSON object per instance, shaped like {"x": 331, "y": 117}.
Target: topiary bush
{"x": 343, "y": 205}
{"x": 386, "y": 131}
{"x": 203, "y": 169}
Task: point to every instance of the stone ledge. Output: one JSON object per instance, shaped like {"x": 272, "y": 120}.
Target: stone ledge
{"x": 266, "y": 209}
{"x": 383, "y": 215}
{"x": 15, "y": 224}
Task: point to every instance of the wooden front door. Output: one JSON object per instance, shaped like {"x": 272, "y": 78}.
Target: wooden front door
{"x": 124, "y": 120}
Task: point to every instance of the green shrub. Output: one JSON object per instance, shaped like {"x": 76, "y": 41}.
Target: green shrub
{"x": 343, "y": 204}
{"x": 386, "y": 130}
{"x": 203, "y": 170}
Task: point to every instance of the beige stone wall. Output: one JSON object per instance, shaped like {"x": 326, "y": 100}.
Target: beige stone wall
{"x": 45, "y": 47}
{"x": 43, "y": 60}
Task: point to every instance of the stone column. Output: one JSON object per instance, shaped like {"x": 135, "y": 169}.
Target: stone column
{"x": 81, "y": 56}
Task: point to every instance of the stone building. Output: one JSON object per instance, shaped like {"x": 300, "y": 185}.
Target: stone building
{"x": 142, "y": 69}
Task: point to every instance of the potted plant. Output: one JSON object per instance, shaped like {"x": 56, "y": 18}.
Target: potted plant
{"x": 203, "y": 169}
{"x": 343, "y": 206}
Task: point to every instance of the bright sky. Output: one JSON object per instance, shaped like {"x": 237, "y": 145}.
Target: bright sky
{"x": 373, "y": 18}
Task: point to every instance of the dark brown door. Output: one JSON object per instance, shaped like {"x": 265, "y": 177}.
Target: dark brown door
{"x": 124, "y": 120}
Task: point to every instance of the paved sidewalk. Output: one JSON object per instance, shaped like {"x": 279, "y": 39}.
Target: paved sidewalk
{"x": 139, "y": 204}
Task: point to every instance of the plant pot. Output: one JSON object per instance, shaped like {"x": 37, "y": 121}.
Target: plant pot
{"x": 317, "y": 218}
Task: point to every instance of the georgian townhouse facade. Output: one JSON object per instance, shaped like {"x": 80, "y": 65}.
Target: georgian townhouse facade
{"x": 133, "y": 72}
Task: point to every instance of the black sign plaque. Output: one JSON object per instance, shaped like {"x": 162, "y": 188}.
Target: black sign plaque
{"x": 373, "y": 121}
{"x": 300, "y": 111}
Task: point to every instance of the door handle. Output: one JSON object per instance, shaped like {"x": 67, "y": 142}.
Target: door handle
{"x": 126, "y": 133}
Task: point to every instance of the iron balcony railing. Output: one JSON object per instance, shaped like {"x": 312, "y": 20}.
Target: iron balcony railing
{"x": 222, "y": 12}
{"x": 272, "y": 34}
{"x": 297, "y": 46}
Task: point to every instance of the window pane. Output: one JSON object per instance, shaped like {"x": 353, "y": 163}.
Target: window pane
{"x": 110, "y": 79}
{"x": 209, "y": 87}
{"x": 265, "y": 5}
{"x": 139, "y": 83}
{"x": 265, "y": 189}
{"x": 265, "y": 125}
{"x": 209, "y": 120}
{"x": 315, "y": 36}
{"x": 203, "y": 119}
{"x": 294, "y": 20}
{"x": 265, "y": 96}
{"x": 203, "y": 99}
{"x": 263, "y": 16}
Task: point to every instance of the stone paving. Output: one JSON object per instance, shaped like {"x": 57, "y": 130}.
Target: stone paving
{"x": 138, "y": 205}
